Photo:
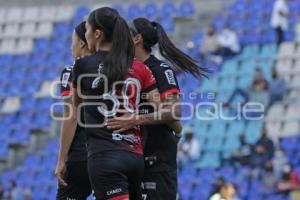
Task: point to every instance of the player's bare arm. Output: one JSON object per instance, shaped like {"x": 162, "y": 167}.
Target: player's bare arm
{"x": 167, "y": 112}
{"x": 68, "y": 129}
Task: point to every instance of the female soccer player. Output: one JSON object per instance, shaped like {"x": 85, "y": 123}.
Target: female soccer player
{"x": 71, "y": 170}
{"x": 104, "y": 83}
{"x": 160, "y": 178}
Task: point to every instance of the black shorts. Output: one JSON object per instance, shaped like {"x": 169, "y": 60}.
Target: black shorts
{"x": 160, "y": 185}
{"x": 76, "y": 176}
{"x": 116, "y": 175}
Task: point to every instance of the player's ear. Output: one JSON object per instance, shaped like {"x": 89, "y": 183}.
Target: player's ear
{"x": 82, "y": 44}
{"x": 98, "y": 34}
{"x": 137, "y": 39}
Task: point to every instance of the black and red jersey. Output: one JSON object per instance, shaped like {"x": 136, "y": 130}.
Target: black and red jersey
{"x": 160, "y": 148}
{"x": 99, "y": 106}
{"x": 78, "y": 151}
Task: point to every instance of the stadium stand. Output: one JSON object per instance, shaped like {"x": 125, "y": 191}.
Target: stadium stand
{"x": 31, "y": 37}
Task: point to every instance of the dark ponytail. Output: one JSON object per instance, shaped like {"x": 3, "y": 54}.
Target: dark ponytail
{"x": 179, "y": 59}
{"x": 119, "y": 60}
{"x": 153, "y": 32}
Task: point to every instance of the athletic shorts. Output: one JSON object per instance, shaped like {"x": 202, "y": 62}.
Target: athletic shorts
{"x": 160, "y": 185}
{"x": 77, "y": 178}
{"x": 116, "y": 175}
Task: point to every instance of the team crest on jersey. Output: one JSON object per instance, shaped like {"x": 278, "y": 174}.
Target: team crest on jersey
{"x": 170, "y": 77}
{"x": 65, "y": 79}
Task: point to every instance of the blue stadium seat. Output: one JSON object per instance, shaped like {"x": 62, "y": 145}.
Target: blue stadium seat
{"x": 236, "y": 128}
{"x": 193, "y": 52}
{"x": 168, "y": 24}
{"x": 210, "y": 85}
{"x": 209, "y": 159}
{"x": 227, "y": 84}
{"x": 219, "y": 22}
{"x": 151, "y": 11}
{"x": 200, "y": 129}
{"x": 289, "y": 35}
{"x": 80, "y": 13}
{"x": 169, "y": 9}
{"x": 197, "y": 39}
{"x": 253, "y": 131}
{"x": 229, "y": 68}
{"x": 186, "y": 9}
{"x": 244, "y": 81}
{"x": 250, "y": 51}
{"x": 268, "y": 36}
{"x": 134, "y": 11}
{"x": 121, "y": 10}
{"x": 247, "y": 68}
{"x": 218, "y": 128}
{"x": 294, "y": 7}
{"x": 214, "y": 144}
{"x": 268, "y": 51}
{"x": 251, "y": 36}
{"x": 3, "y": 150}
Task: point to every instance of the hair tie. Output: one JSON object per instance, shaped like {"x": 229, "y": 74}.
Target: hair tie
{"x": 154, "y": 24}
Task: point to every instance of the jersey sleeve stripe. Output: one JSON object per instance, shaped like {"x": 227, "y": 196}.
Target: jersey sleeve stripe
{"x": 150, "y": 88}
{"x": 121, "y": 197}
{"x": 168, "y": 92}
{"x": 66, "y": 93}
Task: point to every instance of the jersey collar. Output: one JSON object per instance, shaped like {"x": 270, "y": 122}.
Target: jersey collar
{"x": 102, "y": 53}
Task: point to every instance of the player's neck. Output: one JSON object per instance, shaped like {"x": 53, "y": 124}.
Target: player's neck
{"x": 142, "y": 55}
{"x": 103, "y": 47}
{"x": 86, "y": 52}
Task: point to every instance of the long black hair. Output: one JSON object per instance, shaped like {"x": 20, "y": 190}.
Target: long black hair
{"x": 153, "y": 33}
{"x": 119, "y": 60}
{"x": 80, "y": 31}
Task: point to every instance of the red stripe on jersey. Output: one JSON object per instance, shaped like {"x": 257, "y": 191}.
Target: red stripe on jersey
{"x": 121, "y": 197}
{"x": 142, "y": 73}
{"x": 168, "y": 92}
{"x": 66, "y": 93}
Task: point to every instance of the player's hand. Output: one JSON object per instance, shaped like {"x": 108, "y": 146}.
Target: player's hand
{"x": 59, "y": 172}
{"x": 123, "y": 123}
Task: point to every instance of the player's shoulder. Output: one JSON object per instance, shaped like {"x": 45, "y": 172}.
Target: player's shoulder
{"x": 162, "y": 68}
{"x": 66, "y": 75}
{"x": 82, "y": 63}
{"x": 137, "y": 63}
{"x": 158, "y": 64}
{"x": 164, "y": 72}
{"x": 67, "y": 68}
{"x": 82, "y": 60}
{"x": 138, "y": 66}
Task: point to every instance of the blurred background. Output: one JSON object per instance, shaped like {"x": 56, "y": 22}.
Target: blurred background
{"x": 253, "y": 50}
